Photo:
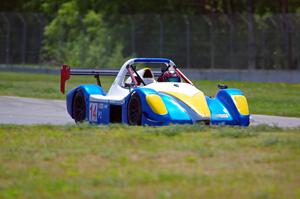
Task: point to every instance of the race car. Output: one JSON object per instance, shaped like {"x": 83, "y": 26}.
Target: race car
{"x": 142, "y": 96}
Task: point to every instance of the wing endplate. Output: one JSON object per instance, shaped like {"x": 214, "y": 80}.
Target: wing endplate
{"x": 66, "y": 72}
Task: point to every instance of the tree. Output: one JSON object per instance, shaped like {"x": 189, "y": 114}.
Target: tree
{"x": 80, "y": 40}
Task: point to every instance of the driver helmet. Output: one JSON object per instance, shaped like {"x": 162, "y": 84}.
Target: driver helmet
{"x": 169, "y": 76}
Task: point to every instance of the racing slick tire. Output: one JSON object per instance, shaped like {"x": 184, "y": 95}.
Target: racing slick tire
{"x": 134, "y": 112}
{"x": 79, "y": 107}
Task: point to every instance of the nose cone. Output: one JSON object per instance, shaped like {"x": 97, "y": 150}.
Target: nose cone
{"x": 197, "y": 102}
{"x": 186, "y": 93}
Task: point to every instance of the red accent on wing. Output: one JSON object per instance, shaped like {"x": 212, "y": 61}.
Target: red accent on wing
{"x": 64, "y": 76}
{"x": 184, "y": 77}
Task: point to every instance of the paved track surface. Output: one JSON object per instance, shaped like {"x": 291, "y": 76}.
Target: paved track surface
{"x": 19, "y": 110}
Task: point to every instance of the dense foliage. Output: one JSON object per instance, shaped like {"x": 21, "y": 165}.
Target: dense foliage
{"x": 86, "y": 33}
{"x": 191, "y": 7}
{"x": 80, "y": 40}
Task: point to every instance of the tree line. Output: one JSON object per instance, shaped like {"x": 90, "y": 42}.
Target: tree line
{"x": 188, "y": 7}
{"x": 85, "y": 32}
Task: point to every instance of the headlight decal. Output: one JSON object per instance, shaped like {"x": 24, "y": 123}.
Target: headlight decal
{"x": 241, "y": 104}
{"x": 156, "y": 104}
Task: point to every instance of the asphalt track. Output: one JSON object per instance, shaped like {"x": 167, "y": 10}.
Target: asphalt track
{"x": 20, "y": 110}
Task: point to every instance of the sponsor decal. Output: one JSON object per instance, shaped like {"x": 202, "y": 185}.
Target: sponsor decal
{"x": 100, "y": 106}
{"x": 221, "y": 115}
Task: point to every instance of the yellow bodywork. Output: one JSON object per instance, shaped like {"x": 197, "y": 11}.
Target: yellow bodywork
{"x": 196, "y": 102}
{"x": 241, "y": 104}
{"x": 156, "y": 103}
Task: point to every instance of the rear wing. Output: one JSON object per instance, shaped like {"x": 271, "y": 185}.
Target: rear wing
{"x": 66, "y": 72}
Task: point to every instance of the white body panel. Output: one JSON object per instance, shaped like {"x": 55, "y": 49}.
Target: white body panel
{"x": 117, "y": 92}
{"x": 115, "y": 96}
{"x": 174, "y": 87}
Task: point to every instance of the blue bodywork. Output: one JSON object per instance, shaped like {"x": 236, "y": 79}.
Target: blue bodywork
{"x": 176, "y": 114}
{"x": 87, "y": 89}
{"x": 222, "y": 108}
{"x": 152, "y": 60}
{"x": 223, "y": 105}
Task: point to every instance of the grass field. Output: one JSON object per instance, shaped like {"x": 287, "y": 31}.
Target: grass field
{"x": 135, "y": 162}
{"x": 263, "y": 98}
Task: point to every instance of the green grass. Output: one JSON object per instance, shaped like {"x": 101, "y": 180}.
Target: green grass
{"x": 263, "y": 98}
{"x": 135, "y": 162}
{"x": 40, "y": 85}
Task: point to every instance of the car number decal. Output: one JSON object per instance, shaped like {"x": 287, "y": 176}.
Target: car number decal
{"x": 93, "y": 112}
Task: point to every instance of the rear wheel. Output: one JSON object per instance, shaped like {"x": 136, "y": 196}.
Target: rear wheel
{"x": 134, "y": 112}
{"x": 79, "y": 108}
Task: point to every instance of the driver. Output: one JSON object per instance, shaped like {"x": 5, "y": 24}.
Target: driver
{"x": 169, "y": 76}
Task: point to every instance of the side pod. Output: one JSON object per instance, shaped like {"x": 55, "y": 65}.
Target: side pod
{"x": 152, "y": 116}
{"x": 236, "y": 104}
{"x": 160, "y": 109}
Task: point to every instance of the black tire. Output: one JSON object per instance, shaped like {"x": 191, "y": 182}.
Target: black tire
{"x": 79, "y": 107}
{"x": 134, "y": 110}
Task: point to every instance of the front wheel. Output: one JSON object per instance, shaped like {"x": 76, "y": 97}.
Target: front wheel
{"x": 134, "y": 112}
{"x": 79, "y": 108}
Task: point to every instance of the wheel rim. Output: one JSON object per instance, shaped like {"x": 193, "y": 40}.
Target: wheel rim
{"x": 79, "y": 108}
{"x": 134, "y": 111}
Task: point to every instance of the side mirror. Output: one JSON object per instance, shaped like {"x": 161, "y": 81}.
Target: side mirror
{"x": 222, "y": 86}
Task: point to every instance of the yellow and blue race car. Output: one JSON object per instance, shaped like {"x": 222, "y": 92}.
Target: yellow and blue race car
{"x": 150, "y": 97}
